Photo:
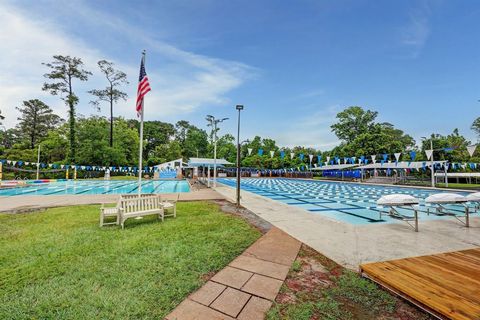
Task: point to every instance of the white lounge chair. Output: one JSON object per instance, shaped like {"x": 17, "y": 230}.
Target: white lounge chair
{"x": 439, "y": 200}
{"x": 396, "y": 201}
{"x": 475, "y": 199}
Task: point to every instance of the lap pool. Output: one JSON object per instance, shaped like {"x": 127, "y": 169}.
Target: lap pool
{"x": 349, "y": 202}
{"x": 98, "y": 187}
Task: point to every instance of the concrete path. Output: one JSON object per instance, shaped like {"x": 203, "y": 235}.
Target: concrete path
{"x": 245, "y": 288}
{"x": 25, "y": 203}
{"x": 351, "y": 245}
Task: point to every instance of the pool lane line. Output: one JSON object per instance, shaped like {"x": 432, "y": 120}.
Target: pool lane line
{"x": 119, "y": 186}
{"x": 99, "y": 185}
{"x": 142, "y": 186}
{"x": 159, "y": 185}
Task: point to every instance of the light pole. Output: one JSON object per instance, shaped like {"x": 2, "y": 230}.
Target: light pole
{"x": 239, "y": 108}
{"x": 431, "y": 162}
{"x": 213, "y": 122}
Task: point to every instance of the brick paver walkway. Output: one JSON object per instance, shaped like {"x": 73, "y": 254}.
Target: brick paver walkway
{"x": 245, "y": 288}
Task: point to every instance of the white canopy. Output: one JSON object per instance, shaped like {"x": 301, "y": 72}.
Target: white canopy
{"x": 446, "y": 198}
{"x": 397, "y": 200}
{"x": 335, "y": 167}
{"x": 473, "y": 197}
{"x": 205, "y": 162}
{"x": 399, "y": 165}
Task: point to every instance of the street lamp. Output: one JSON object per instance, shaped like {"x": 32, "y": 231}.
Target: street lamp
{"x": 431, "y": 163}
{"x": 213, "y": 122}
{"x": 239, "y": 107}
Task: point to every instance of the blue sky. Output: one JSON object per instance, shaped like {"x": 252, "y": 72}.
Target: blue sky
{"x": 293, "y": 64}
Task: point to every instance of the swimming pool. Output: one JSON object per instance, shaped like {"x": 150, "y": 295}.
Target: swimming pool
{"x": 349, "y": 202}
{"x": 98, "y": 187}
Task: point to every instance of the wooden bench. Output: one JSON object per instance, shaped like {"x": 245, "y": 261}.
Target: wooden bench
{"x": 131, "y": 206}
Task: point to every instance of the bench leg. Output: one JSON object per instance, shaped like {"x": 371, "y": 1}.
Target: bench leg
{"x": 175, "y": 210}
{"x": 101, "y": 219}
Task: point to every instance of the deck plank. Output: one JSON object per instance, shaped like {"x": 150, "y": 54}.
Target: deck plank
{"x": 446, "y": 284}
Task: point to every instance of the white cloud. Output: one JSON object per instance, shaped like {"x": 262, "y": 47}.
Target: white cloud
{"x": 311, "y": 130}
{"x": 416, "y": 32}
{"x": 187, "y": 82}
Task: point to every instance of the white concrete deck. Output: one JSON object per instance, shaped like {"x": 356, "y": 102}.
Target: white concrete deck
{"x": 351, "y": 245}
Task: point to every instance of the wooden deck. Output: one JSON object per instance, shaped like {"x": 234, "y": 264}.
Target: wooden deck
{"x": 446, "y": 285}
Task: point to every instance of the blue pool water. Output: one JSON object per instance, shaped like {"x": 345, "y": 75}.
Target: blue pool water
{"x": 349, "y": 202}
{"x": 98, "y": 187}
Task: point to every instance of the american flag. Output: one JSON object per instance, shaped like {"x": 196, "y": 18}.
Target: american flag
{"x": 143, "y": 87}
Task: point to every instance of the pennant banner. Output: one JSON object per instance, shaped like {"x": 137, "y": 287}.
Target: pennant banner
{"x": 413, "y": 154}
{"x": 292, "y": 154}
{"x": 471, "y": 150}
{"x": 250, "y": 151}
{"x": 429, "y": 154}
{"x": 397, "y": 156}
{"x": 374, "y": 158}
{"x": 272, "y": 153}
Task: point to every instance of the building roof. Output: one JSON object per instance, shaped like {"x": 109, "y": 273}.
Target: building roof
{"x": 399, "y": 165}
{"x": 205, "y": 162}
{"x": 334, "y": 167}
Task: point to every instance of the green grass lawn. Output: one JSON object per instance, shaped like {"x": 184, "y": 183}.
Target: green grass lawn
{"x": 59, "y": 264}
{"x": 459, "y": 185}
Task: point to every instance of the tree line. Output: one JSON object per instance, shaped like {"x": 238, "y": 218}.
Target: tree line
{"x": 110, "y": 140}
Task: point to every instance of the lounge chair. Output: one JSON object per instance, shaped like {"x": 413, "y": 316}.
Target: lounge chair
{"x": 439, "y": 201}
{"x": 474, "y": 198}
{"x": 397, "y": 201}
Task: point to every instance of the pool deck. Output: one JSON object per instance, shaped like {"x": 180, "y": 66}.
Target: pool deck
{"x": 352, "y": 245}
{"x": 14, "y": 204}
{"x": 446, "y": 285}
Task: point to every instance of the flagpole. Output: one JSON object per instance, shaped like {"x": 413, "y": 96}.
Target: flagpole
{"x": 140, "y": 159}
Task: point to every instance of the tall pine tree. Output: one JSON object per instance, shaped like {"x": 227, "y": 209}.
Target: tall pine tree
{"x": 64, "y": 69}
{"x": 36, "y": 119}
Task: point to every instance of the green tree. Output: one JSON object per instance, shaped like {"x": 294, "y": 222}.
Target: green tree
{"x": 36, "y": 119}
{"x": 476, "y": 126}
{"x": 226, "y": 148}
{"x": 156, "y": 133}
{"x": 361, "y": 135}
{"x": 64, "y": 69}
{"x": 352, "y": 122}
{"x": 181, "y": 129}
{"x": 111, "y": 93}
{"x": 93, "y": 144}
{"x": 452, "y": 147}
{"x": 165, "y": 152}
{"x": 196, "y": 143}
{"x": 54, "y": 146}
{"x": 1, "y": 118}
